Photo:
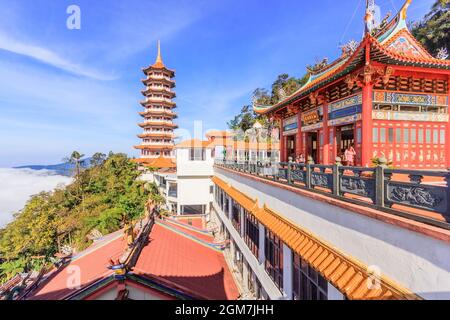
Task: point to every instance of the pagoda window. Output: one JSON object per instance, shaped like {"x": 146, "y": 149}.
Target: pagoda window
{"x": 274, "y": 258}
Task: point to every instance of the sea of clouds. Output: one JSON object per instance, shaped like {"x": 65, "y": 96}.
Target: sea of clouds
{"x": 18, "y": 185}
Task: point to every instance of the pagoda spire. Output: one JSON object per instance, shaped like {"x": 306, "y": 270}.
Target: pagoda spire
{"x": 159, "y": 62}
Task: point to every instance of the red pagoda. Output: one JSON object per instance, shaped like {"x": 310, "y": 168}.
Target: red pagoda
{"x": 387, "y": 96}
{"x": 157, "y": 147}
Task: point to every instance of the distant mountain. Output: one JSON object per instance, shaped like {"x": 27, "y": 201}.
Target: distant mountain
{"x": 64, "y": 169}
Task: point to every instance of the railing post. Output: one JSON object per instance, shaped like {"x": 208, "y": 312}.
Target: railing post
{"x": 379, "y": 182}
{"x": 308, "y": 176}
{"x": 336, "y": 176}
{"x": 289, "y": 178}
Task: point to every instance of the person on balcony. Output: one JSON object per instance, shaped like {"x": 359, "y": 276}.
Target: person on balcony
{"x": 300, "y": 158}
{"x": 350, "y": 155}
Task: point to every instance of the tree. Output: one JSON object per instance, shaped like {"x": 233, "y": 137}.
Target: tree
{"x": 51, "y": 220}
{"x": 433, "y": 31}
{"x": 75, "y": 159}
{"x": 243, "y": 121}
{"x": 98, "y": 158}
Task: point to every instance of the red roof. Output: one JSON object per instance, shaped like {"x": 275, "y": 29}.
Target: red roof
{"x": 179, "y": 262}
{"x": 92, "y": 266}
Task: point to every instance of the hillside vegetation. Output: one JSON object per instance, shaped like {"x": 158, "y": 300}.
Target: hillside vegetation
{"x": 100, "y": 198}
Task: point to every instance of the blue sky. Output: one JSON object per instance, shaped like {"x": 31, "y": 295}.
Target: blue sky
{"x": 63, "y": 90}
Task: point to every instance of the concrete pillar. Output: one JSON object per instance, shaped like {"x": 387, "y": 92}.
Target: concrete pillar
{"x": 287, "y": 272}
{"x": 242, "y": 223}
{"x": 262, "y": 237}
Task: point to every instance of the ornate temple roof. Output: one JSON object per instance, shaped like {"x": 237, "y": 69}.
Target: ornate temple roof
{"x": 392, "y": 43}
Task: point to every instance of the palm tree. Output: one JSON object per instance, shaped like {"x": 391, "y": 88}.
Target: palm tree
{"x": 75, "y": 158}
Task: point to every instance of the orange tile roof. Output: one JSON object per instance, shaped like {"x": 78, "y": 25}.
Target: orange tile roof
{"x": 343, "y": 272}
{"x": 194, "y": 143}
{"x": 182, "y": 263}
{"x": 246, "y": 202}
{"x": 154, "y": 147}
{"x": 161, "y": 162}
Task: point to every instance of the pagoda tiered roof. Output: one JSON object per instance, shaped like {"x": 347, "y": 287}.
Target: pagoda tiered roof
{"x": 159, "y": 112}
{"x": 158, "y": 124}
{"x": 156, "y": 135}
{"x": 165, "y": 103}
{"x": 148, "y": 80}
{"x": 393, "y": 44}
{"x": 169, "y": 92}
{"x": 155, "y": 147}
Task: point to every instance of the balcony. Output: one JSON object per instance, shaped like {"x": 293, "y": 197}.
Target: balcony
{"x": 421, "y": 196}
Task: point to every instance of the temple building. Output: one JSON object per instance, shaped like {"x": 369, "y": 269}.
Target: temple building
{"x": 158, "y": 136}
{"x": 387, "y": 96}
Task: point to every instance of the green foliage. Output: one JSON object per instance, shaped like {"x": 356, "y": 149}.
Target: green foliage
{"x": 434, "y": 29}
{"x": 100, "y": 197}
{"x": 247, "y": 117}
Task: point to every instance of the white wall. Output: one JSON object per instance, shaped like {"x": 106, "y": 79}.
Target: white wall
{"x": 416, "y": 261}
{"x": 194, "y": 190}
{"x": 185, "y": 167}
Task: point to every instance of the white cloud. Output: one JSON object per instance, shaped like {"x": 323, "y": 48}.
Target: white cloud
{"x": 49, "y": 57}
{"x": 17, "y": 186}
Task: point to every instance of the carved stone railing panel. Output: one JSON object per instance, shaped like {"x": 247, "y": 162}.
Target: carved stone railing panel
{"x": 364, "y": 187}
{"x": 298, "y": 175}
{"x": 378, "y": 184}
{"x": 421, "y": 196}
{"x": 323, "y": 180}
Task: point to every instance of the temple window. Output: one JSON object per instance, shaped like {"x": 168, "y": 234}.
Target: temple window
{"x": 236, "y": 216}
{"x": 274, "y": 258}
{"x": 197, "y": 154}
{"x": 308, "y": 284}
{"x": 251, "y": 232}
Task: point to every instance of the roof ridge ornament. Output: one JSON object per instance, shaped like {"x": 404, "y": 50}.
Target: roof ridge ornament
{"x": 404, "y": 9}
{"x": 442, "y": 54}
{"x": 372, "y": 16}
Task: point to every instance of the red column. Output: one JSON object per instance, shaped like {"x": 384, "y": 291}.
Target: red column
{"x": 366, "y": 146}
{"x": 447, "y": 133}
{"x": 326, "y": 140}
{"x": 299, "y": 142}
{"x": 282, "y": 142}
